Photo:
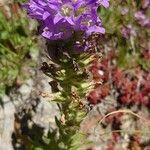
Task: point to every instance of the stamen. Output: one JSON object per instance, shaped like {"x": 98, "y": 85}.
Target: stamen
{"x": 66, "y": 10}
{"x": 81, "y": 10}
{"x": 87, "y": 22}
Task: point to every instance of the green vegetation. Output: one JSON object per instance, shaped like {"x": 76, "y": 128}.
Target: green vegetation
{"x": 16, "y": 43}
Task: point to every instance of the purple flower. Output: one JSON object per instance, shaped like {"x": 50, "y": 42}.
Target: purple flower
{"x": 124, "y": 10}
{"x": 128, "y": 31}
{"x": 146, "y": 4}
{"x": 56, "y": 31}
{"x": 142, "y": 19}
{"x": 104, "y": 3}
{"x": 59, "y": 19}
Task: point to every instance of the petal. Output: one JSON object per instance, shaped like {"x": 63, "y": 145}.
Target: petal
{"x": 47, "y": 34}
{"x": 95, "y": 29}
{"x": 53, "y": 6}
{"x": 57, "y": 18}
{"x": 46, "y": 15}
{"x": 70, "y": 21}
{"x": 104, "y": 3}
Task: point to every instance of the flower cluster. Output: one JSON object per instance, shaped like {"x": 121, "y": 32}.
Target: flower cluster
{"x": 128, "y": 31}
{"x": 59, "y": 19}
{"x": 141, "y": 18}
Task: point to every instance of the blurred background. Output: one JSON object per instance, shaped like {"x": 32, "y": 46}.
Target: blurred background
{"x": 25, "y": 115}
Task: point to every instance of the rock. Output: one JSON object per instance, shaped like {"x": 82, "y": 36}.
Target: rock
{"x": 7, "y": 124}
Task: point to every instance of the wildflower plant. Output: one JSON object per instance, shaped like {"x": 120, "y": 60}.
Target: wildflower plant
{"x": 68, "y": 26}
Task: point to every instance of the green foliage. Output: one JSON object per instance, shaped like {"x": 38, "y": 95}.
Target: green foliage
{"x": 77, "y": 142}
{"x": 145, "y": 64}
{"x": 16, "y": 42}
{"x": 70, "y": 99}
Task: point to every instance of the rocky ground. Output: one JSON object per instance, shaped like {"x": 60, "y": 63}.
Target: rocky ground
{"x": 26, "y": 105}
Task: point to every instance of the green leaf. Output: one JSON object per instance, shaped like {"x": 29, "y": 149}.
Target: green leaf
{"x": 79, "y": 142}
